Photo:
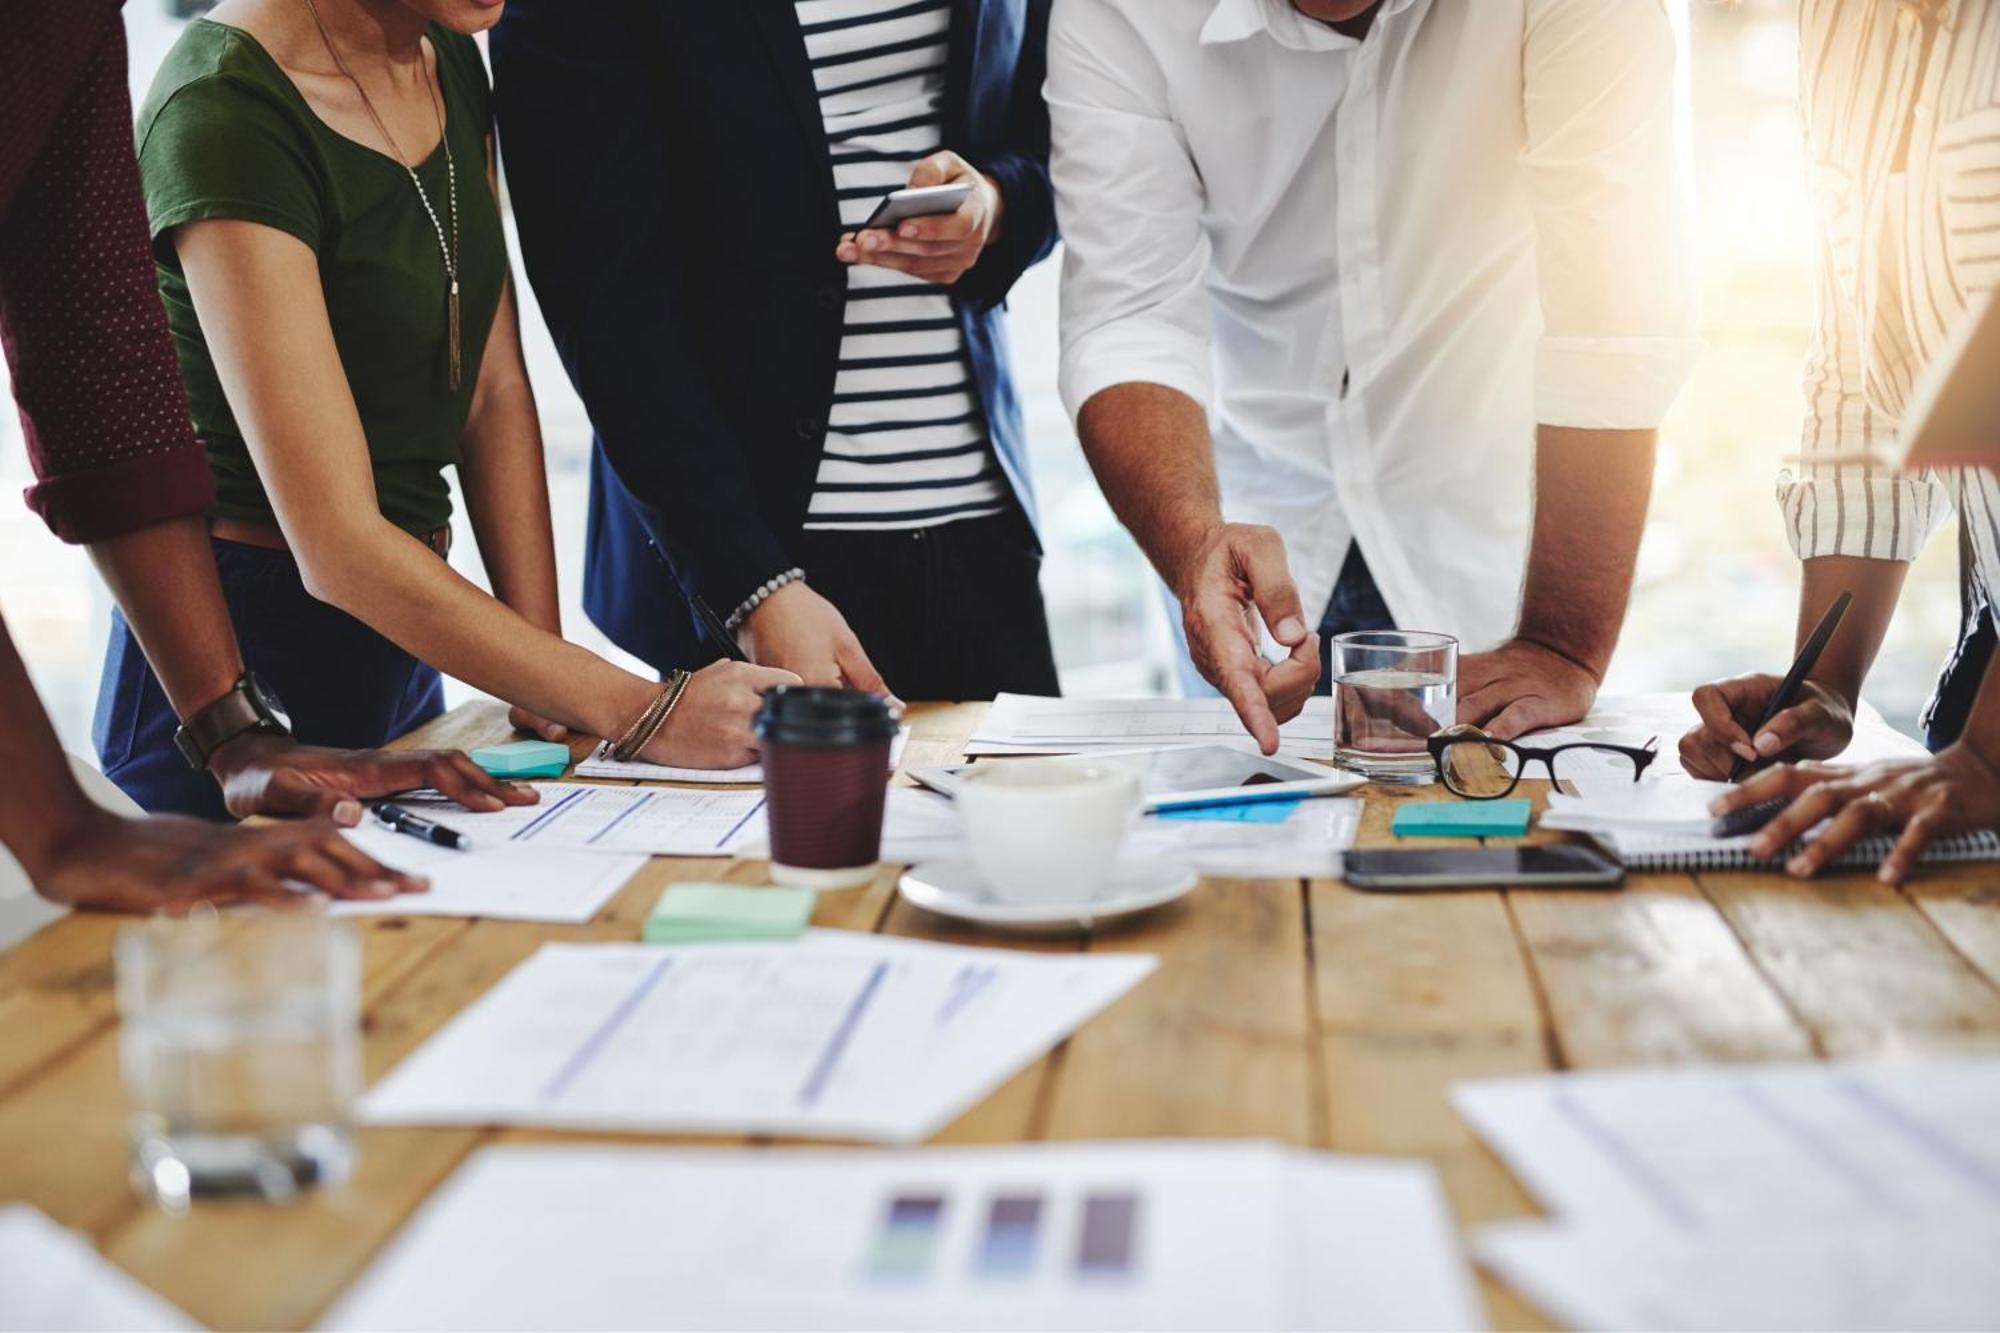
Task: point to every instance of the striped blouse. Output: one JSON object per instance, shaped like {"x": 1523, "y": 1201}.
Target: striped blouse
{"x": 906, "y": 443}
{"x": 1902, "y": 108}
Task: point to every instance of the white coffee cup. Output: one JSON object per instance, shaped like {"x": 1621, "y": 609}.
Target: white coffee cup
{"x": 1047, "y": 832}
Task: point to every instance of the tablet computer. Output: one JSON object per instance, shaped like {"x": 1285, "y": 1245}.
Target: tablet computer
{"x": 1182, "y": 776}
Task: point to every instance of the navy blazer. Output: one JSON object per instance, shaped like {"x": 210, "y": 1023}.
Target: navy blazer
{"x": 669, "y": 173}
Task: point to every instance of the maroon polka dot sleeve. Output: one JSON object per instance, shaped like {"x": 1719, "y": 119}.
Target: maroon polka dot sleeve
{"x": 102, "y": 408}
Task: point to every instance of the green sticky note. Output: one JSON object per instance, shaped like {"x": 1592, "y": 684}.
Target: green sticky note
{"x": 698, "y": 913}
{"x": 523, "y": 759}
{"x": 1463, "y": 819}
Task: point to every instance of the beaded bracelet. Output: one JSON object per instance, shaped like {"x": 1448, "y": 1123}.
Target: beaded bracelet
{"x": 759, "y": 597}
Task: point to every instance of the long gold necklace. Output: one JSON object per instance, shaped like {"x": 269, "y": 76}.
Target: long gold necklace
{"x": 449, "y": 250}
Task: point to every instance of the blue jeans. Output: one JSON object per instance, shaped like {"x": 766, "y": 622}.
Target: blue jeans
{"x": 1958, "y": 687}
{"x": 343, "y": 684}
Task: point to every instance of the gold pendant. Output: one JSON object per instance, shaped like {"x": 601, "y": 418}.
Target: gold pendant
{"x": 451, "y": 332}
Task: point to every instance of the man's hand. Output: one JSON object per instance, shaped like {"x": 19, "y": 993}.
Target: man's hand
{"x": 1953, "y": 791}
{"x": 797, "y": 630}
{"x": 1521, "y": 687}
{"x": 169, "y": 864}
{"x": 1234, "y": 576}
{"x": 275, "y": 775}
{"x": 1818, "y": 725}
{"x": 939, "y": 248}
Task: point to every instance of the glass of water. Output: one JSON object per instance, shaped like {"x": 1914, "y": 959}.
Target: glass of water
{"x": 1391, "y": 690}
{"x": 241, "y": 1053}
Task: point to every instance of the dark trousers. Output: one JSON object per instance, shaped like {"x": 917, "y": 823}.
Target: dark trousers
{"x": 1958, "y": 687}
{"x": 343, "y": 684}
{"x": 947, "y": 612}
{"x": 1356, "y": 604}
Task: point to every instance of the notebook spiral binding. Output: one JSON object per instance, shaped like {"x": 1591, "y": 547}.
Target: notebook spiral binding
{"x": 1679, "y": 854}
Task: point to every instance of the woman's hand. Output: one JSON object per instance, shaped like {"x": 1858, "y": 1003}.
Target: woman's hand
{"x": 520, "y": 719}
{"x": 1818, "y": 725}
{"x": 710, "y": 726}
{"x": 1953, "y": 791}
{"x": 939, "y": 248}
{"x": 169, "y": 864}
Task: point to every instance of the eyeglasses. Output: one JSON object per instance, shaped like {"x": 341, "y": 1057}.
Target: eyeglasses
{"x": 1474, "y": 765}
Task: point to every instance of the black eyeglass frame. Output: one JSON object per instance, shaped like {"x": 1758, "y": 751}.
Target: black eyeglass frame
{"x": 1641, "y": 757}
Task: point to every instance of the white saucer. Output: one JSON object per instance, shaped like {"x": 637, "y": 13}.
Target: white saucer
{"x": 954, "y": 888}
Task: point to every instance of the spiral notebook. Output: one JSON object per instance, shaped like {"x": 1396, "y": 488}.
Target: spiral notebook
{"x": 1671, "y": 851}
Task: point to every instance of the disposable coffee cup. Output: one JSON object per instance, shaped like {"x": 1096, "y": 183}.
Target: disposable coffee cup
{"x": 826, "y": 777}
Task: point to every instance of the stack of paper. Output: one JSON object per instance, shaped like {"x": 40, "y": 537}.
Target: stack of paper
{"x": 1031, "y": 724}
{"x": 1165, "y": 1235}
{"x": 600, "y": 764}
{"x": 1636, "y": 718}
{"x": 52, "y": 1279}
{"x": 1793, "y": 1196}
{"x": 839, "y": 1035}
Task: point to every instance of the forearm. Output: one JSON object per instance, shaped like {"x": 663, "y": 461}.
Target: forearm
{"x": 1591, "y": 492}
{"x": 395, "y": 584}
{"x": 1149, "y": 448}
{"x": 44, "y": 805}
{"x": 1876, "y": 585}
{"x": 507, "y": 499}
{"x": 165, "y": 581}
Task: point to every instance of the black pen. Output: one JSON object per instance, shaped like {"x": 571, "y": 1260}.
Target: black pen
{"x": 712, "y": 623}
{"x": 1788, "y": 689}
{"x": 409, "y": 822}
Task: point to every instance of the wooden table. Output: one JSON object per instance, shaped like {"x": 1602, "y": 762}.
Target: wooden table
{"x": 1301, "y": 1011}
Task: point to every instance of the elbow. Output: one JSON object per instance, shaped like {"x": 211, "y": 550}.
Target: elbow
{"x": 333, "y": 571}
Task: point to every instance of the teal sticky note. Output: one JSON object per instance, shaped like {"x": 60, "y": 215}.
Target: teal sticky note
{"x": 523, "y": 759}
{"x": 1242, "y": 812}
{"x": 697, "y": 913}
{"x": 1463, "y": 819}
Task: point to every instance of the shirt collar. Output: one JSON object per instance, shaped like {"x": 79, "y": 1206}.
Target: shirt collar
{"x": 1240, "y": 20}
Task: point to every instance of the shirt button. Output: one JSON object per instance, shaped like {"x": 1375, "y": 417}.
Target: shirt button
{"x": 828, "y": 298}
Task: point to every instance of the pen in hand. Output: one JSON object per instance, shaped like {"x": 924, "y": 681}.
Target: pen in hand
{"x": 1787, "y": 692}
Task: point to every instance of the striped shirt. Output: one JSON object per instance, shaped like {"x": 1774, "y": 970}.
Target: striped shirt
{"x": 906, "y": 443}
{"x": 1902, "y": 108}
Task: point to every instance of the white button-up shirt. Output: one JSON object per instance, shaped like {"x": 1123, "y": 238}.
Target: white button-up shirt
{"x": 1378, "y": 263}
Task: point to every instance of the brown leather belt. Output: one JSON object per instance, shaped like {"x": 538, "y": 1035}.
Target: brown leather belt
{"x": 271, "y": 538}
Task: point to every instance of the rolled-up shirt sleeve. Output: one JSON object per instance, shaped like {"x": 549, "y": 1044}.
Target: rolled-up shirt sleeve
{"x": 103, "y": 410}
{"x": 1606, "y": 173}
{"x": 1129, "y": 203}
{"x": 1840, "y": 501}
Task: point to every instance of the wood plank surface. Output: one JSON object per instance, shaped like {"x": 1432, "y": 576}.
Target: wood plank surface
{"x": 1307, "y": 1012}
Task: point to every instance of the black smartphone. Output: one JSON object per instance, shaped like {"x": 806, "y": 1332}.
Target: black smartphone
{"x": 1418, "y": 868}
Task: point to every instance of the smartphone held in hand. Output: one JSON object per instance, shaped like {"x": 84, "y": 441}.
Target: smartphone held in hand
{"x": 919, "y": 202}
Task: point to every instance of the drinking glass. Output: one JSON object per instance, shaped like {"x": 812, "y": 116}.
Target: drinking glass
{"x": 241, "y": 1053}
{"x": 1391, "y": 690}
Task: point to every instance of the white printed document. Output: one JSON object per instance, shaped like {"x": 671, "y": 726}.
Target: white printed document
{"x": 600, "y": 764}
{"x": 1634, "y": 719}
{"x": 839, "y": 1035}
{"x": 655, "y": 821}
{"x": 1887, "y": 1276}
{"x": 504, "y": 880}
{"x": 1033, "y": 724}
{"x": 53, "y": 1279}
{"x": 1161, "y": 1235}
{"x": 1730, "y": 1148}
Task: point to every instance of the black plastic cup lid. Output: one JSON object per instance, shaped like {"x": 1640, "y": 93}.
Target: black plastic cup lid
{"x": 817, "y": 715}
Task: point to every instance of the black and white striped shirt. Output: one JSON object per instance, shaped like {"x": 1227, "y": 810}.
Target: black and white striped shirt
{"x": 906, "y": 443}
{"x": 1902, "y": 107}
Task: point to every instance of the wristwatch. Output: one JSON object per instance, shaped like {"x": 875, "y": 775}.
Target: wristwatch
{"x": 247, "y": 707}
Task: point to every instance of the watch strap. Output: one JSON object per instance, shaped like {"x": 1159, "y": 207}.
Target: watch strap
{"x": 216, "y": 724}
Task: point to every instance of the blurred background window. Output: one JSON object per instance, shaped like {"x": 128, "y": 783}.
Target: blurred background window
{"x": 1717, "y": 583}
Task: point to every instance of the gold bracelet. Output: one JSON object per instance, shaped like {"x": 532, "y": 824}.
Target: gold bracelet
{"x": 635, "y": 741}
{"x": 628, "y": 744}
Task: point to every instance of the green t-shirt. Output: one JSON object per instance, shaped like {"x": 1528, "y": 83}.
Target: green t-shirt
{"x": 225, "y": 133}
